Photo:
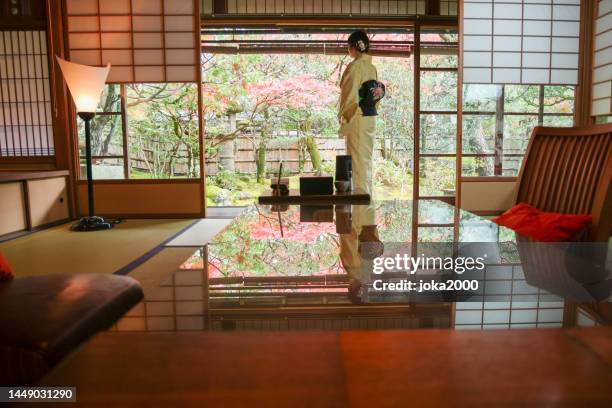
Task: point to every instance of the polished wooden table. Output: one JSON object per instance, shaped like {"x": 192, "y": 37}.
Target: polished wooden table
{"x": 267, "y": 315}
{"x": 294, "y": 197}
{"x": 542, "y": 367}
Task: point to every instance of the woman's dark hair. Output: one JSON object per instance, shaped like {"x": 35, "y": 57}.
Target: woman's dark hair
{"x": 360, "y": 41}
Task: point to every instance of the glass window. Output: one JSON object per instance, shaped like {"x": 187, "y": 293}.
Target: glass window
{"x": 559, "y": 99}
{"x": 521, "y": 98}
{"x": 438, "y": 91}
{"x": 517, "y": 131}
{"x": 480, "y": 98}
{"x": 486, "y": 125}
{"x": 478, "y": 133}
{"x": 438, "y": 133}
{"x": 163, "y": 130}
{"x": 106, "y": 127}
{"x": 437, "y": 176}
{"x": 558, "y": 121}
{"x": 261, "y": 109}
{"x": 478, "y": 166}
{"x": 601, "y": 120}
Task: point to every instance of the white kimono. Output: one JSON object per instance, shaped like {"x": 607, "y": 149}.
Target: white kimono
{"x": 359, "y": 130}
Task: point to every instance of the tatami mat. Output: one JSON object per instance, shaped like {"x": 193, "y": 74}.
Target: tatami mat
{"x": 59, "y": 250}
{"x": 159, "y": 268}
{"x": 200, "y": 233}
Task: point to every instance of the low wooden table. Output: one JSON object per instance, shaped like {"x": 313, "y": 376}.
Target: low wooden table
{"x": 352, "y": 197}
{"x": 535, "y": 367}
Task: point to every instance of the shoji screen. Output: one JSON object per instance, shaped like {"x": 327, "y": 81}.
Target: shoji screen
{"x": 602, "y": 64}
{"x": 521, "y": 41}
{"x": 26, "y": 117}
{"x": 143, "y": 40}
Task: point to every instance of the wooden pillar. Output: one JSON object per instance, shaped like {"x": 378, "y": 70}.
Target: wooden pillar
{"x": 584, "y": 90}
{"x": 63, "y": 132}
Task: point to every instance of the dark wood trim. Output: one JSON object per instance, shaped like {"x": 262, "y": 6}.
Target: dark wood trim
{"x": 25, "y": 188}
{"x": 446, "y": 199}
{"x": 570, "y": 314}
{"x": 27, "y": 160}
{"x": 143, "y": 181}
{"x": 459, "y": 134}
{"x": 433, "y": 7}
{"x": 151, "y": 215}
{"x": 416, "y": 159}
{"x": 487, "y": 213}
{"x": 200, "y": 105}
{"x": 32, "y": 15}
{"x": 22, "y": 233}
{"x": 227, "y": 21}
{"x": 219, "y": 7}
{"x": 8, "y": 176}
{"x": 479, "y": 179}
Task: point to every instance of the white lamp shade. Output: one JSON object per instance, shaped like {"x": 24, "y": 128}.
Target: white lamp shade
{"x": 85, "y": 83}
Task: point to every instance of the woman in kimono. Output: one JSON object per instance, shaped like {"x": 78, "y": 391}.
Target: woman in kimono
{"x": 356, "y": 126}
{"x": 357, "y": 117}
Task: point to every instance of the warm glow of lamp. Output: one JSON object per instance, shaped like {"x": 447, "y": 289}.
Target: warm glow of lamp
{"x": 85, "y": 83}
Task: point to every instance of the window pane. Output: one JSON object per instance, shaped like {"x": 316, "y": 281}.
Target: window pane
{"x": 163, "y": 130}
{"x": 110, "y": 100}
{"x": 601, "y": 120}
{"x": 480, "y": 98}
{"x": 478, "y": 134}
{"x": 559, "y": 121}
{"x": 435, "y": 234}
{"x": 104, "y": 169}
{"x": 521, "y": 98}
{"x": 437, "y": 176}
{"x": 511, "y": 165}
{"x": 393, "y": 148}
{"x": 478, "y": 166}
{"x": 438, "y": 61}
{"x": 284, "y": 107}
{"x": 517, "y": 131}
{"x": 558, "y": 99}
{"x": 435, "y": 212}
{"x": 438, "y": 133}
{"x": 438, "y": 91}
{"x": 434, "y": 35}
{"x": 106, "y": 135}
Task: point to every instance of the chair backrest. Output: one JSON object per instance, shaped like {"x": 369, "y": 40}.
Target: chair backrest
{"x": 569, "y": 170}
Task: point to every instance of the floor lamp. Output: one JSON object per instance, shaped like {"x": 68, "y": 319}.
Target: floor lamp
{"x": 86, "y": 85}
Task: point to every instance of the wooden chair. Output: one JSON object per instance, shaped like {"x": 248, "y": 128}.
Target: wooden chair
{"x": 569, "y": 170}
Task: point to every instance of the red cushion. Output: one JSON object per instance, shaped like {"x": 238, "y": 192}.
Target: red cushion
{"x": 544, "y": 226}
{"x": 6, "y": 273}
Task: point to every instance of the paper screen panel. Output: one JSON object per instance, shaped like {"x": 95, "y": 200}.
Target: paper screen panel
{"x": 521, "y": 41}
{"x": 602, "y": 60}
{"x": 143, "y": 40}
{"x": 25, "y": 96}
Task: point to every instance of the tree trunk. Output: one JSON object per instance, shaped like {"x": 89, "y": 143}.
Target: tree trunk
{"x": 261, "y": 163}
{"x": 227, "y": 149}
{"x": 313, "y": 151}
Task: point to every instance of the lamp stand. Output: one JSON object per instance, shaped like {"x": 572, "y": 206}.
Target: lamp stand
{"x": 91, "y": 222}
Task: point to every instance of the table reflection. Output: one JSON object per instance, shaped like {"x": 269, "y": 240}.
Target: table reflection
{"x": 299, "y": 267}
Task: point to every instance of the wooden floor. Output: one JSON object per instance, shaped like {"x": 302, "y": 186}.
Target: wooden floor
{"x": 420, "y": 368}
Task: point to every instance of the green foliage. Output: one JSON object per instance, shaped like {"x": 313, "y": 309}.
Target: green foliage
{"x": 163, "y": 129}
